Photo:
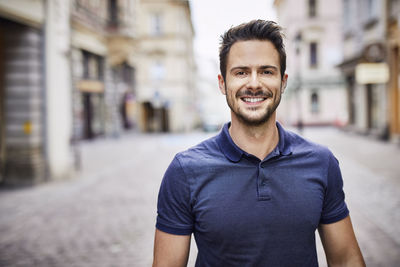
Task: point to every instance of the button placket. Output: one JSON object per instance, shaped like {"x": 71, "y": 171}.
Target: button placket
{"x": 264, "y": 190}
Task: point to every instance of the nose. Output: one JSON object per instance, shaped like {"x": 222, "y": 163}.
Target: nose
{"x": 253, "y": 82}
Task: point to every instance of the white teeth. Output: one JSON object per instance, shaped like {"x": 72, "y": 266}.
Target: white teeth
{"x": 253, "y": 100}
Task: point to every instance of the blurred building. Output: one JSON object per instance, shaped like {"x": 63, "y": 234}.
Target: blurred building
{"x": 67, "y": 74}
{"x": 165, "y": 79}
{"x": 316, "y": 93}
{"x": 82, "y": 69}
{"x": 371, "y": 65}
{"x": 35, "y": 103}
{"x": 103, "y": 42}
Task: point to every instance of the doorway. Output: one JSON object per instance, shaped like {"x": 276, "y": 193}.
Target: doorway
{"x": 93, "y": 121}
{"x": 372, "y": 106}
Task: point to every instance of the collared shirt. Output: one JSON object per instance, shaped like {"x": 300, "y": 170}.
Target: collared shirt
{"x": 244, "y": 211}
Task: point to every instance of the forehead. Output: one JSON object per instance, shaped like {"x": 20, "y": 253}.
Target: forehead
{"x": 253, "y": 53}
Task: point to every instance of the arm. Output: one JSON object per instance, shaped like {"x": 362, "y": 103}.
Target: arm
{"x": 340, "y": 244}
{"x": 170, "y": 250}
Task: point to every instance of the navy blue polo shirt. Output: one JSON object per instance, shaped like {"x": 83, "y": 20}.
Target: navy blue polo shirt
{"x": 247, "y": 212}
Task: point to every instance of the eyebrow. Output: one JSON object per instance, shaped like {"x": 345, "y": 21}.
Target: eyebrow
{"x": 263, "y": 67}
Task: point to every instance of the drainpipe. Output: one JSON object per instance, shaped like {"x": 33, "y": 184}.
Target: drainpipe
{"x": 44, "y": 93}
{"x": 75, "y": 141}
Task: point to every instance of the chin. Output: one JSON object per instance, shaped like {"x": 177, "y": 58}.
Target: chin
{"x": 254, "y": 121}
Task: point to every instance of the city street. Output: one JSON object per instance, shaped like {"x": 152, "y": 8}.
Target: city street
{"x": 105, "y": 215}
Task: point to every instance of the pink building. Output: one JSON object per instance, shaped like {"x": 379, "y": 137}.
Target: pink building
{"x": 316, "y": 92}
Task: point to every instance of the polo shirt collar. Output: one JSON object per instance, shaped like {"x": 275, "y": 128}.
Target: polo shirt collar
{"x": 284, "y": 144}
{"x": 234, "y": 153}
{"x": 228, "y": 147}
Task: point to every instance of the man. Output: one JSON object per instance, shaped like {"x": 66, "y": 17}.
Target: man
{"x": 254, "y": 194}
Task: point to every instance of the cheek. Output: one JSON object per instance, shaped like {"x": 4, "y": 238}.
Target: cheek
{"x": 234, "y": 83}
{"x": 274, "y": 86}
{"x": 230, "y": 89}
{"x": 230, "y": 94}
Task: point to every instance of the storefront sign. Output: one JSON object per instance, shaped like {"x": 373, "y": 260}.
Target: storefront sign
{"x": 90, "y": 86}
{"x": 372, "y": 73}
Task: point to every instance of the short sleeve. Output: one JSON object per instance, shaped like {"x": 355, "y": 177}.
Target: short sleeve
{"x": 174, "y": 214}
{"x": 334, "y": 208}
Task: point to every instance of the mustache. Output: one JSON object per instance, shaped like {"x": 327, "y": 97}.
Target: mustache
{"x": 250, "y": 93}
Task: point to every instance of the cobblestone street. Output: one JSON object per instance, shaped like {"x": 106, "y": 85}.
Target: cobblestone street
{"x": 105, "y": 215}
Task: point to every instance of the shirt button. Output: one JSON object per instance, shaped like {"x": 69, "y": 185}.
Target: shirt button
{"x": 264, "y": 183}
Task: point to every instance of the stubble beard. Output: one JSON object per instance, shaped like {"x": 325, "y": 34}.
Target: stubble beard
{"x": 248, "y": 120}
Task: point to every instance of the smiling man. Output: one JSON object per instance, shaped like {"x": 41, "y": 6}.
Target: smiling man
{"x": 255, "y": 194}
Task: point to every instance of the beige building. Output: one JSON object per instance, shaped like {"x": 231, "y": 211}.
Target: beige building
{"x": 103, "y": 36}
{"x": 166, "y": 69}
{"x": 67, "y": 74}
{"x": 82, "y": 69}
{"x": 315, "y": 94}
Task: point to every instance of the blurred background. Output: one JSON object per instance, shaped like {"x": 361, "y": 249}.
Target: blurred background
{"x": 96, "y": 97}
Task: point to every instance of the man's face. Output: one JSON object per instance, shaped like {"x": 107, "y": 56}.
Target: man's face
{"x": 253, "y": 83}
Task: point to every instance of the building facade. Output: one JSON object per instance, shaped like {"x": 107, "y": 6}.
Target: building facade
{"x": 67, "y": 74}
{"x": 315, "y": 94}
{"x": 35, "y": 91}
{"x": 165, "y": 79}
{"x": 103, "y": 41}
{"x": 82, "y": 69}
{"x": 371, "y": 65}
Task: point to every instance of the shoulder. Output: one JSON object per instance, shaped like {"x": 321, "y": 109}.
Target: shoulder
{"x": 200, "y": 153}
{"x": 198, "y": 160}
{"x": 305, "y": 147}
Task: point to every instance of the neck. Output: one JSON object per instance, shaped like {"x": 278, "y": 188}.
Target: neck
{"x": 257, "y": 140}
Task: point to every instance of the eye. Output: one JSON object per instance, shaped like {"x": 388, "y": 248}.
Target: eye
{"x": 267, "y": 72}
{"x": 240, "y": 73}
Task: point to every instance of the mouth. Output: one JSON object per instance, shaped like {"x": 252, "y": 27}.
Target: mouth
{"x": 253, "y": 100}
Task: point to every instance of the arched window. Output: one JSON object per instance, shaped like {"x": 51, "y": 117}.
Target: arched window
{"x": 314, "y": 103}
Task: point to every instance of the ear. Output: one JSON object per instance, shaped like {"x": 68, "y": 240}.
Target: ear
{"x": 284, "y": 83}
{"x": 221, "y": 84}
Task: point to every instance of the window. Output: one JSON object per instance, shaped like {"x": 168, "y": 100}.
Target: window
{"x": 92, "y": 66}
{"x": 314, "y": 103}
{"x": 128, "y": 74}
{"x": 157, "y": 71}
{"x": 313, "y": 54}
{"x": 347, "y": 12}
{"x": 312, "y": 8}
{"x": 394, "y": 8}
{"x": 348, "y": 15}
{"x": 156, "y": 24}
{"x": 113, "y": 12}
{"x": 372, "y": 9}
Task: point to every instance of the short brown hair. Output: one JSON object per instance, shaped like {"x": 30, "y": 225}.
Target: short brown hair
{"x": 253, "y": 30}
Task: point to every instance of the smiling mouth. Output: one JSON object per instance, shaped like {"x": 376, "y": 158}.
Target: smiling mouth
{"x": 253, "y": 99}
